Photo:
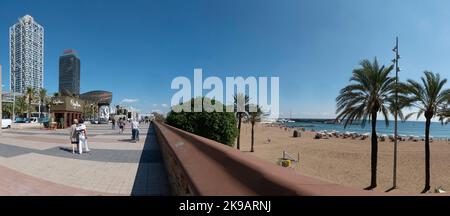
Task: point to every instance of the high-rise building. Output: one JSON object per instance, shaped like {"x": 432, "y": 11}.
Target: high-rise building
{"x": 26, "y": 55}
{"x": 69, "y": 73}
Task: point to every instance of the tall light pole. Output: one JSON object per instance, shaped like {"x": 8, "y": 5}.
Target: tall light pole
{"x": 396, "y": 109}
{"x": 14, "y": 98}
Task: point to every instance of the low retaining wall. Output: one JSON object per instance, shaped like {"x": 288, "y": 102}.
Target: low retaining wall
{"x": 199, "y": 166}
{"x": 21, "y": 126}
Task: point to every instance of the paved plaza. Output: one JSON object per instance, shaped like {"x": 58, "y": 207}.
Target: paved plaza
{"x": 40, "y": 162}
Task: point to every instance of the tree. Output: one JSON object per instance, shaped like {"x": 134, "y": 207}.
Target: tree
{"x": 431, "y": 100}
{"x": 86, "y": 110}
{"x": 42, "y": 99}
{"x": 158, "y": 117}
{"x": 254, "y": 117}
{"x": 7, "y": 109}
{"x": 96, "y": 109}
{"x": 30, "y": 93}
{"x": 369, "y": 94}
{"x": 218, "y": 126}
{"x": 240, "y": 108}
{"x": 49, "y": 104}
{"x": 21, "y": 105}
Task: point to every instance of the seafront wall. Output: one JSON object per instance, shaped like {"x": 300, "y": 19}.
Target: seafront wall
{"x": 199, "y": 166}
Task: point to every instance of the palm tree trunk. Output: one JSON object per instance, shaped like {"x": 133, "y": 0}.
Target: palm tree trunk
{"x": 427, "y": 155}
{"x": 239, "y": 131}
{"x": 29, "y": 110}
{"x": 253, "y": 136}
{"x": 374, "y": 153}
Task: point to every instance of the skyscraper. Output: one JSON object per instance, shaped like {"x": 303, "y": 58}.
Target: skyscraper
{"x": 69, "y": 73}
{"x": 26, "y": 55}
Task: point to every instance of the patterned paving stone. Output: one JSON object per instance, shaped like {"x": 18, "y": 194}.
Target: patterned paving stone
{"x": 103, "y": 170}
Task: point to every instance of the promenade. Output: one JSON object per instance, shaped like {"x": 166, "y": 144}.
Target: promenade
{"x": 40, "y": 162}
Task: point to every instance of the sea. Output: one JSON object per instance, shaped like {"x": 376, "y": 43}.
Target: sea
{"x": 407, "y": 128}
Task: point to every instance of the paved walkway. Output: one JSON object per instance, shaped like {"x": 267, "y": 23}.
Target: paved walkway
{"x": 115, "y": 165}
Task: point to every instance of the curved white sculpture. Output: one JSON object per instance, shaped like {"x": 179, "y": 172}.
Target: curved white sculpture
{"x": 104, "y": 113}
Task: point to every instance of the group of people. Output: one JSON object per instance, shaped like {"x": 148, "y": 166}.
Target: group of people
{"x": 121, "y": 122}
{"x": 78, "y": 136}
{"x": 78, "y": 133}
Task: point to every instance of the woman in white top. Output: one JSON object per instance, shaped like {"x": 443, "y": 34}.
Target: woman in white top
{"x": 82, "y": 137}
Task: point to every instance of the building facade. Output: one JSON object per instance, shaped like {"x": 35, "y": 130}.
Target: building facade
{"x": 65, "y": 109}
{"x": 26, "y": 55}
{"x": 101, "y": 99}
{"x": 69, "y": 73}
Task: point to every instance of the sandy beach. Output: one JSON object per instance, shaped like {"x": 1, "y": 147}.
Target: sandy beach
{"x": 347, "y": 161}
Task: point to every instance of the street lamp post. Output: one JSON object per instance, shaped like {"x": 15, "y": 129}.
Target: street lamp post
{"x": 396, "y": 109}
{"x": 14, "y": 97}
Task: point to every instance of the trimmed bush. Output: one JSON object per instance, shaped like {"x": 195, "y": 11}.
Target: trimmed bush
{"x": 218, "y": 126}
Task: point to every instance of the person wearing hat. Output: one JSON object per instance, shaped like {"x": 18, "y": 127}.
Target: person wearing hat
{"x": 74, "y": 135}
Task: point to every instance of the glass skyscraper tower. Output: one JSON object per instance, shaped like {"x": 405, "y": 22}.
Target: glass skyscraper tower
{"x": 26, "y": 55}
{"x": 69, "y": 73}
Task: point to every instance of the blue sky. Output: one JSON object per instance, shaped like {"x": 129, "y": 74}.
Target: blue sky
{"x": 135, "y": 48}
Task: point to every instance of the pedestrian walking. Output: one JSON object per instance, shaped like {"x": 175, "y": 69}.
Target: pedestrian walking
{"x": 82, "y": 137}
{"x": 135, "y": 130}
{"x": 121, "y": 125}
{"x": 74, "y": 135}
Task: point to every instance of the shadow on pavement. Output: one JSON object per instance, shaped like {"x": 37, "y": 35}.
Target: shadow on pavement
{"x": 126, "y": 140}
{"x": 151, "y": 177}
{"x": 67, "y": 149}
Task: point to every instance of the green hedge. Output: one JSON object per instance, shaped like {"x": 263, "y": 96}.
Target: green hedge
{"x": 218, "y": 126}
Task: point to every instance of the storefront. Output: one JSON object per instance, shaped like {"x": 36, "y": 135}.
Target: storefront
{"x": 65, "y": 109}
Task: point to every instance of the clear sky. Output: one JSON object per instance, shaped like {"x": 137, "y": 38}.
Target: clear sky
{"x": 135, "y": 48}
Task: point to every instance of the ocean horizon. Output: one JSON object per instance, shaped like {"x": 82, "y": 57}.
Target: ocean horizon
{"x": 407, "y": 128}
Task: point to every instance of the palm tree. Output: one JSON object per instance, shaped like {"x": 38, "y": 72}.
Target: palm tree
{"x": 369, "y": 94}
{"x": 30, "y": 93}
{"x": 86, "y": 110}
{"x": 240, "y": 108}
{"x": 431, "y": 99}
{"x": 21, "y": 105}
{"x": 96, "y": 109}
{"x": 42, "y": 96}
{"x": 254, "y": 117}
{"x": 7, "y": 109}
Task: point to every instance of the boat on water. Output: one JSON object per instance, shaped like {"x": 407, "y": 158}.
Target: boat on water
{"x": 283, "y": 121}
